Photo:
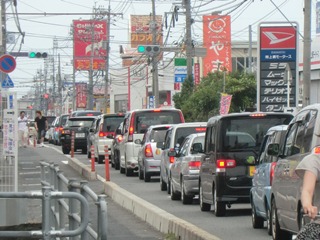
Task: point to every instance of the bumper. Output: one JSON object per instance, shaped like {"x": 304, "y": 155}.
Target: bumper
{"x": 78, "y": 143}
{"x": 152, "y": 166}
{"x": 191, "y": 184}
{"x": 101, "y": 144}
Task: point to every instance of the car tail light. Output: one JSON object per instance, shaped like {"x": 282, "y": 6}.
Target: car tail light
{"x": 102, "y": 134}
{"x": 148, "y": 151}
{"x": 257, "y": 115}
{"x": 316, "y": 150}
{"x": 60, "y": 129}
{"x": 194, "y": 165}
{"x": 89, "y": 114}
{"x": 273, "y": 166}
{"x": 181, "y": 117}
{"x": 171, "y": 159}
{"x": 65, "y": 132}
{"x": 222, "y": 164}
{"x": 131, "y": 128}
{"x": 119, "y": 138}
{"x": 202, "y": 129}
{"x": 157, "y": 110}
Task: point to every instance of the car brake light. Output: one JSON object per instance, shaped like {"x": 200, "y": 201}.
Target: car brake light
{"x": 89, "y": 114}
{"x": 273, "y": 165}
{"x": 316, "y": 150}
{"x": 222, "y": 164}
{"x": 194, "y": 165}
{"x": 157, "y": 110}
{"x": 102, "y": 134}
{"x": 201, "y": 129}
{"x": 258, "y": 115}
{"x": 171, "y": 159}
{"x": 120, "y": 138}
{"x": 131, "y": 128}
{"x": 65, "y": 132}
{"x": 148, "y": 151}
{"x": 60, "y": 129}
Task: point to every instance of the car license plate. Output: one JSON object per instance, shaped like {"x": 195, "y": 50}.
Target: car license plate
{"x": 80, "y": 135}
{"x": 251, "y": 170}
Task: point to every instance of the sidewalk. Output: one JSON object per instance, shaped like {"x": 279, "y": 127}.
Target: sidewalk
{"x": 121, "y": 223}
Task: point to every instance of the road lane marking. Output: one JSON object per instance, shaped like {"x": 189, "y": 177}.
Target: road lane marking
{"x": 27, "y": 173}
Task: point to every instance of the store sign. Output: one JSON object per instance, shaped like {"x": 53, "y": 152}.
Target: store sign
{"x": 81, "y": 97}
{"x": 278, "y": 48}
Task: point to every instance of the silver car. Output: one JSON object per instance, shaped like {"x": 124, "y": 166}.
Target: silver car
{"x": 185, "y": 169}
{"x": 149, "y": 155}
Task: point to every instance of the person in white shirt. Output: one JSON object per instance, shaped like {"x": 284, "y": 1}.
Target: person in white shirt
{"x": 23, "y": 129}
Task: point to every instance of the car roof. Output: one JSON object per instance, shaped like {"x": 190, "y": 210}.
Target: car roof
{"x": 82, "y": 117}
{"x": 194, "y": 135}
{"x": 154, "y": 110}
{"x": 190, "y": 124}
{"x": 161, "y": 126}
{"x": 277, "y": 128}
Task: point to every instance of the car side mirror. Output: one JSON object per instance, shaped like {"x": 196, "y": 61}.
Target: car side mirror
{"x": 196, "y": 148}
{"x": 91, "y": 130}
{"x": 160, "y": 145}
{"x": 138, "y": 141}
{"x": 273, "y": 149}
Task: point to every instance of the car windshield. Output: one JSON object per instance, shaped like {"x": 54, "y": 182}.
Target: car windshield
{"x": 243, "y": 133}
{"x": 183, "y": 132}
{"x": 146, "y": 119}
{"x": 79, "y": 123}
{"x": 111, "y": 123}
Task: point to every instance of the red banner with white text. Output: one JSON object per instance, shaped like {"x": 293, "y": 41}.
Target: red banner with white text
{"x": 81, "y": 97}
{"x": 225, "y": 103}
{"x": 217, "y": 41}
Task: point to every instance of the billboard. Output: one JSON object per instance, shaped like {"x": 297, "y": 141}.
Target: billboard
{"x": 278, "y": 54}
{"x": 140, "y": 30}
{"x": 89, "y": 38}
{"x": 81, "y": 95}
{"x": 217, "y": 41}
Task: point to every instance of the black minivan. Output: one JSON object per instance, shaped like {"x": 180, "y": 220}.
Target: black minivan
{"x": 231, "y": 148}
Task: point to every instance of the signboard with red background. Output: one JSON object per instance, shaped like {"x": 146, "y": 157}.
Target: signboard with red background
{"x": 278, "y": 48}
{"x": 89, "y": 35}
{"x": 217, "y": 41}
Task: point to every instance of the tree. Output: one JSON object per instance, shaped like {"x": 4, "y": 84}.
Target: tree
{"x": 198, "y": 103}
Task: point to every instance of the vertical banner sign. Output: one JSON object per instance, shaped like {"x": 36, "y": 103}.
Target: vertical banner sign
{"x": 196, "y": 73}
{"x": 278, "y": 52}
{"x": 217, "y": 41}
{"x": 89, "y": 38}
{"x": 177, "y": 86}
{"x": 151, "y": 101}
{"x": 81, "y": 91}
{"x": 225, "y": 102}
{"x": 318, "y": 18}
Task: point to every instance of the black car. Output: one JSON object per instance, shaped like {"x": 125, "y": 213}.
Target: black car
{"x": 80, "y": 127}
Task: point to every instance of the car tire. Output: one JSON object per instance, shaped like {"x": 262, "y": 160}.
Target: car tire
{"x": 269, "y": 225}
{"x": 219, "y": 207}
{"x": 277, "y": 232}
{"x": 129, "y": 172}
{"x": 89, "y": 153}
{"x": 100, "y": 159}
{"x": 65, "y": 150}
{"x": 116, "y": 161}
{"x": 168, "y": 186}
{"x": 163, "y": 185}
{"x": 173, "y": 194}
{"x": 204, "y": 207}
{"x": 84, "y": 151}
{"x": 112, "y": 161}
{"x": 146, "y": 176}
{"x": 257, "y": 222}
{"x": 186, "y": 199}
{"x": 122, "y": 170}
{"x": 140, "y": 173}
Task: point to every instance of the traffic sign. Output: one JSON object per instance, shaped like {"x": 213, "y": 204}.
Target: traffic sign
{"x": 7, "y": 63}
{"x": 7, "y": 82}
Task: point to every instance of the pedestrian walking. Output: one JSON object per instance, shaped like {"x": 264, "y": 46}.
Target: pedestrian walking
{"x": 41, "y": 125}
{"x": 309, "y": 170}
{"x": 23, "y": 129}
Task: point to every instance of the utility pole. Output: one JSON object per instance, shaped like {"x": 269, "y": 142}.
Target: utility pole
{"x": 306, "y": 53}
{"x": 60, "y": 85}
{"x": 106, "y": 84}
{"x": 55, "y": 46}
{"x": 90, "y": 85}
{"x": 250, "y": 49}
{"x": 3, "y": 49}
{"x": 188, "y": 41}
{"x": 155, "y": 75}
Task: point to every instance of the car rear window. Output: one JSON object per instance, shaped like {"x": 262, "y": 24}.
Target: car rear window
{"x": 80, "y": 123}
{"x": 143, "y": 120}
{"x": 64, "y": 119}
{"x": 158, "y": 135}
{"x": 183, "y": 132}
{"x": 244, "y": 133}
{"x": 111, "y": 123}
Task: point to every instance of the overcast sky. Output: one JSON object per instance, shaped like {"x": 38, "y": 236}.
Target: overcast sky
{"x": 40, "y": 30}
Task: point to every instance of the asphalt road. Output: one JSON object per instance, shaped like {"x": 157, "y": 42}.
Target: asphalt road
{"x": 121, "y": 223}
{"x": 235, "y": 225}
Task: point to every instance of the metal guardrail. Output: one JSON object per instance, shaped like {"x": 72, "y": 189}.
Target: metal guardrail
{"x": 52, "y": 176}
{"x": 56, "y": 210}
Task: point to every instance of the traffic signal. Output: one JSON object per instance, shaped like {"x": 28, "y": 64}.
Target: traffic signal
{"x": 150, "y": 50}
{"x": 38, "y": 54}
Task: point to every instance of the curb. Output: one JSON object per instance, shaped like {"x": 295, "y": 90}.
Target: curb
{"x": 161, "y": 220}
